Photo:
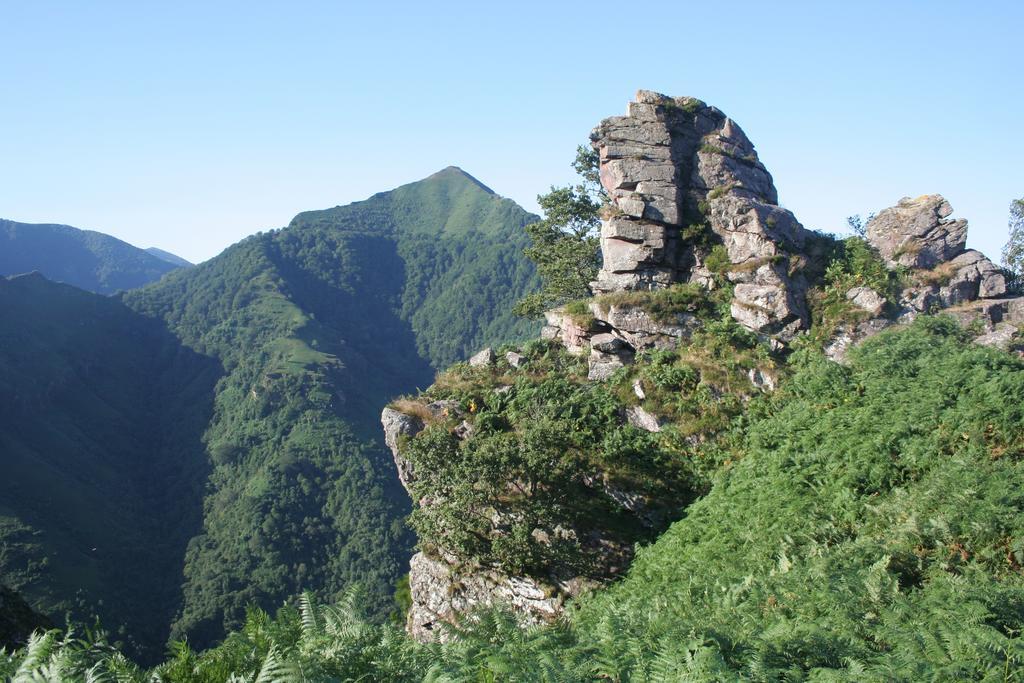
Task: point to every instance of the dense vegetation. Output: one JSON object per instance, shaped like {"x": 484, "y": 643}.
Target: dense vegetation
{"x": 865, "y": 524}
{"x": 563, "y": 443}
{"x": 103, "y": 413}
{"x": 83, "y": 258}
{"x": 284, "y": 483}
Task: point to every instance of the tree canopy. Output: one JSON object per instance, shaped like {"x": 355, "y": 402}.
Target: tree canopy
{"x": 565, "y": 244}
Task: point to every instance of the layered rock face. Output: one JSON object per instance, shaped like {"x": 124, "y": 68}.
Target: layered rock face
{"x": 683, "y": 177}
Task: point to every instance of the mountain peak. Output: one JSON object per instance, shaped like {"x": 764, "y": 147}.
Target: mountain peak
{"x": 454, "y": 173}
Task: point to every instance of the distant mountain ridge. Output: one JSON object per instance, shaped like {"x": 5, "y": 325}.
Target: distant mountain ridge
{"x": 87, "y": 259}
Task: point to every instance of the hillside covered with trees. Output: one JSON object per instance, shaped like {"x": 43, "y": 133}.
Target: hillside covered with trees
{"x": 211, "y": 442}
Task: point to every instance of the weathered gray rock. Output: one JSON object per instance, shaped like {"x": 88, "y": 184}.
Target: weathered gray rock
{"x": 663, "y": 164}
{"x": 974, "y": 277}
{"x": 917, "y": 232}
{"x": 1001, "y": 336}
{"x": 396, "y": 425}
{"x": 608, "y": 343}
{"x": 601, "y": 366}
{"x": 608, "y": 353}
{"x": 638, "y": 389}
{"x": 768, "y": 307}
{"x": 444, "y": 408}
{"x": 920, "y": 299}
{"x": 563, "y": 328}
{"x": 640, "y": 330}
{"x": 762, "y": 380}
{"x": 441, "y": 594}
{"x": 641, "y": 419}
{"x": 847, "y": 336}
{"x": 867, "y": 299}
{"x": 483, "y": 358}
{"x": 463, "y": 431}
{"x": 516, "y": 360}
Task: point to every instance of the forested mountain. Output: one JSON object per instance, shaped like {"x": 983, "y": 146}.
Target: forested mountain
{"x": 84, "y": 258}
{"x": 234, "y": 406}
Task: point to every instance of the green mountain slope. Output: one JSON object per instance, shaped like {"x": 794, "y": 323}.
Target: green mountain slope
{"x": 103, "y": 411}
{"x": 872, "y": 522}
{"x": 461, "y": 248}
{"x": 318, "y": 325}
{"x": 83, "y": 258}
{"x": 211, "y": 441}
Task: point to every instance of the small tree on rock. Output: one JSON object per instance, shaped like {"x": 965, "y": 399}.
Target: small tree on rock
{"x": 566, "y": 242}
{"x": 1013, "y": 252}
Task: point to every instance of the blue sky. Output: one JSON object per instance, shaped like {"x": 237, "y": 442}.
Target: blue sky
{"x": 190, "y": 125}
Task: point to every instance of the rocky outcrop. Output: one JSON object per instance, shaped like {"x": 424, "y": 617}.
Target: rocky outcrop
{"x": 918, "y": 237}
{"x": 682, "y": 177}
{"x": 640, "y": 330}
{"x": 397, "y": 425}
{"x": 483, "y": 358}
{"x": 693, "y": 207}
{"x": 691, "y": 203}
{"x": 685, "y": 183}
{"x": 445, "y": 588}
{"x": 917, "y": 233}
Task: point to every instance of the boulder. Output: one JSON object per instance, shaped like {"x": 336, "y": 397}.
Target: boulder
{"x": 974, "y": 277}
{"x": 516, "y": 360}
{"x": 441, "y": 595}
{"x": 608, "y": 353}
{"x": 640, "y": 330}
{"x": 917, "y": 233}
{"x": 602, "y": 366}
{"x": 483, "y": 358}
{"x": 1001, "y": 336}
{"x": 641, "y": 419}
{"x": 638, "y": 389}
{"x": 762, "y": 380}
{"x": 849, "y": 335}
{"x": 867, "y": 299}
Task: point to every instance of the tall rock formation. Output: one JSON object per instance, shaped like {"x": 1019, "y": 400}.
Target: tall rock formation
{"x": 683, "y": 178}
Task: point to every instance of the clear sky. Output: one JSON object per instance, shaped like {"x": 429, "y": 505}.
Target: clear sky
{"x": 188, "y": 125}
